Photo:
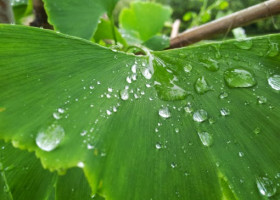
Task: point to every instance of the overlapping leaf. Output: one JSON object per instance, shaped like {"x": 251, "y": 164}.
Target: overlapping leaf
{"x": 143, "y": 136}
{"x": 78, "y": 18}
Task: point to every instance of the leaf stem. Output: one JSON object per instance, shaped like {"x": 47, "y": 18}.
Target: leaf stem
{"x": 224, "y": 24}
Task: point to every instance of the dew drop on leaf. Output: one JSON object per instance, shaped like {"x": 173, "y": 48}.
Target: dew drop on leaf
{"x": 238, "y": 77}
{"x": 244, "y": 43}
{"x": 273, "y": 49}
{"x": 201, "y": 86}
{"x": 211, "y": 65}
{"x": 265, "y": 186}
{"x": 225, "y": 111}
{"x": 200, "y": 115}
{"x": 158, "y": 146}
{"x": 274, "y": 82}
{"x": 257, "y": 130}
{"x": 223, "y": 95}
{"x": 188, "y": 108}
{"x": 261, "y": 100}
{"x": 124, "y": 94}
{"x": 147, "y": 73}
{"x": 188, "y": 68}
{"x": 50, "y": 138}
{"x": 205, "y": 138}
{"x": 164, "y": 112}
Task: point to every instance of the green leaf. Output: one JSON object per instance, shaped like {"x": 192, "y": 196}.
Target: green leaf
{"x": 188, "y": 16}
{"x": 77, "y": 18}
{"x": 146, "y": 18}
{"x": 21, "y": 8}
{"x": 158, "y": 43}
{"x": 22, "y": 177}
{"x": 159, "y": 138}
{"x": 104, "y": 32}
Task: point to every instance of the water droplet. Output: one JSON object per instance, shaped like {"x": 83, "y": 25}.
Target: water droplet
{"x": 261, "y": 100}
{"x": 225, "y": 111}
{"x": 89, "y": 146}
{"x": 49, "y": 139}
{"x": 177, "y": 130}
{"x": 201, "y": 85}
{"x": 241, "y": 154}
{"x": 173, "y": 165}
{"x": 133, "y": 68}
{"x": 110, "y": 90}
{"x": 239, "y": 77}
{"x": 108, "y": 112}
{"x": 188, "y": 68}
{"x": 273, "y": 49}
{"x": 265, "y": 186}
{"x": 205, "y": 138}
{"x": 164, "y": 112}
{"x": 124, "y": 94}
{"x": 211, "y": 65}
{"x": 223, "y": 95}
{"x": 60, "y": 110}
{"x": 128, "y": 79}
{"x": 158, "y": 146}
{"x": 257, "y": 130}
{"x": 147, "y": 73}
{"x": 274, "y": 82}
{"x": 56, "y": 115}
{"x": 200, "y": 116}
{"x": 83, "y": 133}
{"x": 244, "y": 43}
{"x": 168, "y": 93}
{"x": 188, "y": 108}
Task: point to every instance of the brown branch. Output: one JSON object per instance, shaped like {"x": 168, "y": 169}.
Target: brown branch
{"x": 224, "y": 24}
{"x": 6, "y": 12}
{"x": 175, "y": 28}
{"x": 41, "y": 18}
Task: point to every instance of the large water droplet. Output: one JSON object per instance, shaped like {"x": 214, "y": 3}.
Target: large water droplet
{"x": 164, "y": 112}
{"x": 124, "y": 94}
{"x": 201, "y": 85}
{"x": 274, "y": 82}
{"x": 266, "y": 186}
{"x": 244, "y": 43}
{"x": 205, "y": 138}
{"x": 238, "y": 77}
{"x": 49, "y": 139}
{"x": 200, "y": 115}
{"x": 273, "y": 49}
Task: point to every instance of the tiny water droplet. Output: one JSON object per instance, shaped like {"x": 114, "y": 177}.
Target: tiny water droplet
{"x": 273, "y": 49}
{"x": 147, "y": 73}
{"x": 158, "y": 146}
{"x": 261, "y": 100}
{"x": 223, "y": 95}
{"x": 177, "y": 130}
{"x": 257, "y": 130}
{"x": 265, "y": 186}
{"x": 225, "y": 112}
{"x": 56, "y": 115}
{"x": 164, "y": 112}
{"x": 81, "y": 164}
{"x": 108, "y": 112}
{"x": 274, "y": 82}
{"x": 173, "y": 165}
{"x": 211, "y": 65}
{"x": 124, "y": 94}
{"x": 244, "y": 44}
{"x": 241, "y": 154}
{"x": 188, "y": 108}
{"x": 205, "y": 138}
{"x": 188, "y": 68}
{"x": 49, "y": 139}
{"x": 133, "y": 68}
{"x": 60, "y": 110}
{"x": 238, "y": 77}
{"x": 200, "y": 115}
{"x": 201, "y": 86}
{"x": 128, "y": 79}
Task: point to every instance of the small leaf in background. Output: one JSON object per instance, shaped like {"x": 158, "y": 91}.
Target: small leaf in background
{"x": 21, "y": 8}
{"x": 239, "y": 33}
{"x": 205, "y": 17}
{"x": 104, "y": 32}
{"x": 145, "y": 18}
{"x": 223, "y": 5}
{"x": 189, "y": 15}
{"x": 157, "y": 43}
{"x": 77, "y": 18}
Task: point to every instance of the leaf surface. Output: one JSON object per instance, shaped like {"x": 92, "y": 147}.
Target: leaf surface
{"x": 77, "y": 18}
{"x": 143, "y": 136}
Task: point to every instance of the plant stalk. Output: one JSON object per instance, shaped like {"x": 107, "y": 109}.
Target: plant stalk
{"x": 225, "y": 24}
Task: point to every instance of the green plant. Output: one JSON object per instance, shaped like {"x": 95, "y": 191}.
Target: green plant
{"x": 193, "y": 123}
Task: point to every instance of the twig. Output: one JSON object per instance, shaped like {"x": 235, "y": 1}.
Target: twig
{"x": 6, "y": 12}
{"x": 175, "y": 28}
{"x": 224, "y": 24}
{"x": 41, "y": 18}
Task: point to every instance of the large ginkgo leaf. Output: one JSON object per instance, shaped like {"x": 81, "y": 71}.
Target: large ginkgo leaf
{"x": 191, "y": 123}
{"x": 78, "y": 18}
